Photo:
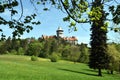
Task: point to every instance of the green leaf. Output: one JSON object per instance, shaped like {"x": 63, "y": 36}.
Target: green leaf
{"x": 28, "y": 30}
{"x": 45, "y": 9}
{"x": 111, "y": 8}
{"x": 15, "y": 3}
{"x": 1, "y": 30}
{"x": 38, "y": 2}
{"x": 116, "y": 29}
{"x": 53, "y": 2}
{"x": 38, "y": 23}
{"x": 75, "y": 29}
{"x": 73, "y": 23}
{"x": 2, "y": 9}
{"x": 13, "y": 12}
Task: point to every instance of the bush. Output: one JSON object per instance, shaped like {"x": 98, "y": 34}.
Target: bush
{"x": 34, "y": 58}
{"x": 54, "y": 57}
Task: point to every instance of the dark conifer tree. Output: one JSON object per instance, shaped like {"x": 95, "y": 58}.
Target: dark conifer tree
{"x": 98, "y": 56}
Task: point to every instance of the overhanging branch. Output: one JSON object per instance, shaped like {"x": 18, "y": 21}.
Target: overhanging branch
{"x": 21, "y": 10}
{"x": 71, "y": 15}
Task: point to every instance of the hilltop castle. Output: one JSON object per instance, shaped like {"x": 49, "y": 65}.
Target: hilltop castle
{"x": 59, "y": 34}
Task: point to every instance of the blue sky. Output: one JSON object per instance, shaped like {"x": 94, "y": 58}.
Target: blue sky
{"x": 50, "y": 21}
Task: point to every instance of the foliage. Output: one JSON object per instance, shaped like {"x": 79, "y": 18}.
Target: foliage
{"x": 43, "y": 48}
{"x": 84, "y": 54}
{"x": 66, "y": 52}
{"x": 54, "y": 57}
{"x": 2, "y": 48}
{"x": 117, "y": 47}
{"x": 21, "y": 51}
{"x": 74, "y": 53}
{"x": 45, "y": 51}
{"x": 34, "y": 58}
{"x": 15, "y": 44}
{"x": 95, "y": 14}
{"x": 20, "y": 25}
{"x": 98, "y": 56}
{"x": 13, "y": 52}
{"x": 33, "y": 49}
{"x": 114, "y": 58}
{"x": 53, "y": 45}
{"x": 115, "y": 13}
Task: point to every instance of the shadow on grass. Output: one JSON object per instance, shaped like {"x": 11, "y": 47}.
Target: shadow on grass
{"x": 94, "y": 70}
{"x": 86, "y": 73}
{"x": 91, "y": 70}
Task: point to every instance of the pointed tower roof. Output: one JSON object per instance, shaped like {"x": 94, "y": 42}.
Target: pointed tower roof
{"x": 59, "y": 28}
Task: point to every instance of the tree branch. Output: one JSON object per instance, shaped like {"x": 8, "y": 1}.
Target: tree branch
{"x": 31, "y": 1}
{"x": 117, "y": 2}
{"x": 70, "y": 14}
{"x": 21, "y": 10}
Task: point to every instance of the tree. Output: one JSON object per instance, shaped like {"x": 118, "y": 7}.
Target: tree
{"x": 74, "y": 53}
{"x": 45, "y": 51}
{"x": 98, "y": 56}
{"x": 114, "y": 58}
{"x": 15, "y": 44}
{"x": 2, "y": 47}
{"x": 33, "y": 49}
{"x": 66, "y": 52}
{"x": 24, "y": 44}
{"x": 8, "y": 43}
{"x": 84, "y": 53}
{"x": 53, "y": 45}
{"x": 21, "y": 51}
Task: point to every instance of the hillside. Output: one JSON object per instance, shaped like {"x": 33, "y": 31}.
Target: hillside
{"x": 14, "y": 67}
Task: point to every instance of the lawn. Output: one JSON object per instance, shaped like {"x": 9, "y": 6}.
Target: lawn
{"x": 14, "y": 67}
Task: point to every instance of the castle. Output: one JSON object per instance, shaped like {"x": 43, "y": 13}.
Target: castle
{"x": 73, "y": 40}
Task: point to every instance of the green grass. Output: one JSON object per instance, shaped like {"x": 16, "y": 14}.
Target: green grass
{"x": 14, "y": 67}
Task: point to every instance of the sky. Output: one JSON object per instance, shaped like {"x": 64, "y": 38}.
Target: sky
{"x": 50, "y": 21}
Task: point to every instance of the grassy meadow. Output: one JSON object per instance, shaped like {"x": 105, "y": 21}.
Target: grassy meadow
{"x": 13, "y": 67}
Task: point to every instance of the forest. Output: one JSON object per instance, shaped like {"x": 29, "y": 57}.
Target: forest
{"x": 45, "y": 48}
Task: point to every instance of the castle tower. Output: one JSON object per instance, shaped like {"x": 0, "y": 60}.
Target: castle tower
{"x": 59, "y": 32}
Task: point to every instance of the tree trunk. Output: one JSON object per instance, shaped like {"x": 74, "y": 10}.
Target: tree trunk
{"x": 111, "y": 71}
{"x": 119, "y": 66}
{"x": 99, "y": 72}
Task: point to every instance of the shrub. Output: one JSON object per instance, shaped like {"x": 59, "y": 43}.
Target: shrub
{"x": 34, "y": 58}
{"x": 54, "y": 57}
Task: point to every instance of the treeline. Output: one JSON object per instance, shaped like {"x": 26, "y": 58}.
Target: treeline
{"x": 58, "y": 49}
{"x": 50, "y": 48}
